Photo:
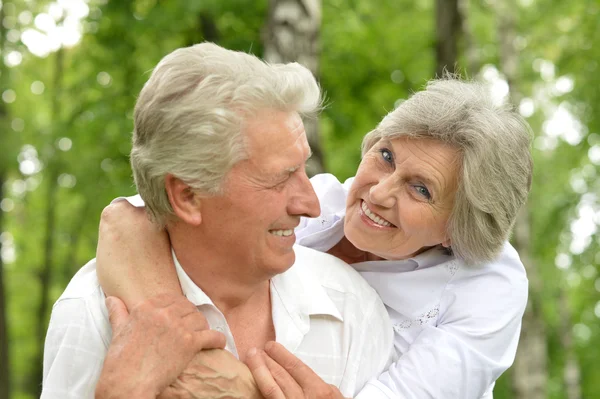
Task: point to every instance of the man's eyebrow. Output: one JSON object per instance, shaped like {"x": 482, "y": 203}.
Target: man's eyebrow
{"x": 292, "y": 169}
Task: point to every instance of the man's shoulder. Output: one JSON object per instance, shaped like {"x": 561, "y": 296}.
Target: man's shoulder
{"x": 83, "y": 295}
{"x": 332, "y": 273}
{"x": 84, "y": 284}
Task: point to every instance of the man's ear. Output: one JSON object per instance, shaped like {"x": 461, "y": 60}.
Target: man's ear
{"x": 185, "y": 202}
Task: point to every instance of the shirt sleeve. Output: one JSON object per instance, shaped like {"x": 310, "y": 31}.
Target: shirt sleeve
{"x": 474, "y": 342}
{"x": 73, "y": 353}
{"x": 323, "y": 232}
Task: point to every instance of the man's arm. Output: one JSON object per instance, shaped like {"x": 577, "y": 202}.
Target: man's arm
{"x": 149, "y": 348}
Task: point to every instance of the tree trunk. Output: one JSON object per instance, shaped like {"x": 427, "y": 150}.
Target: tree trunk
{"x": 4, "y": 355}
{"x": 473, "y": 64}
{"x": 571, "y": 371}
{"x": 292, "y": 34}
{"x": 448, "y": 30}
{"x": 530, "y": 372}
{"x": 47, "y": 268}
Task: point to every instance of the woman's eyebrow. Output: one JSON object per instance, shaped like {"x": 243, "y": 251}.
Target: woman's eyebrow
{"x": 387, "y": 143}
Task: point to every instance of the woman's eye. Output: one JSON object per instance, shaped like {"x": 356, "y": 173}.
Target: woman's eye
{"x": 386, "y": 155}
{"x": 422, "y": 190}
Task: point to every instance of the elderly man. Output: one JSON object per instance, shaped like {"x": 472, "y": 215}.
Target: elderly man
{"x": 218, "y": 157}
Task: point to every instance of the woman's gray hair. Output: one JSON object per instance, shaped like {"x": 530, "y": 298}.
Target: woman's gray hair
{"x": 496, "y": 164}
{"x": 189, "y": 117}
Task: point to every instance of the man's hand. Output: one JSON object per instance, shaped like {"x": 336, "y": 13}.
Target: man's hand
{"x": 213, "y": 374}
{"x": 151, "y": 346}
{"x": 281, "y": 375}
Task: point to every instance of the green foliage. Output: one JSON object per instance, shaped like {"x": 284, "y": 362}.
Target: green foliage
{"x": 68, "y": 144}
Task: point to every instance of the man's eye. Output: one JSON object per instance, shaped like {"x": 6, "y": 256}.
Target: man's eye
{"x": 422, "y": 190}
{"x": 387, "y": 155}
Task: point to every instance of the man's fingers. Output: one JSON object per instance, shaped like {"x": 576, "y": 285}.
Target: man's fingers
{"x": 256, "y": 362}
{"x": 209, "y": 339}
{"x": 117, "y": 312}
{"x": 294, "y": 366}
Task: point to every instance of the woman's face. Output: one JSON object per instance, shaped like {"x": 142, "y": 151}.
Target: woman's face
{"x": 402, "y": 196}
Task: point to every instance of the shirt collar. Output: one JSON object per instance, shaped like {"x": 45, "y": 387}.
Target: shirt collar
{"x": 301, "y": 293}
{"x": 432, "y": 257}
{"x": 191, "y": 291}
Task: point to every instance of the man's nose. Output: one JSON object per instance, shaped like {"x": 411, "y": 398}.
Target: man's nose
{"x": 305, "y": 202}
{"x": 383, "y": 194}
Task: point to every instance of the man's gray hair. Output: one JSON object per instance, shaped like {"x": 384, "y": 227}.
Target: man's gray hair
{"x": 496, "y": 164}
{"x": 189, "y": 117}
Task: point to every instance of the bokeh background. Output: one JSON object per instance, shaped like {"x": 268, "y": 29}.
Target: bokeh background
{"x": 71, "y": 70}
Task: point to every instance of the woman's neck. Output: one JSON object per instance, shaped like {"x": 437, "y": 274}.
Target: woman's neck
{"x": 347, "y": 252}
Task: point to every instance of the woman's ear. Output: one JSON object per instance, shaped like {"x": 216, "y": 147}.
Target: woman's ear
{"x": 447, "y": 243}
{"x": 185, "y": 202}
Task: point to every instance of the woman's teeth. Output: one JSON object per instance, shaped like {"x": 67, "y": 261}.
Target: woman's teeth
{"x": 380, "y": 221}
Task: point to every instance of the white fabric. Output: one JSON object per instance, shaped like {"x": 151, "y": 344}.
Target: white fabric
{"x": 456, "y": 327}
{"x": 323, "y": 312}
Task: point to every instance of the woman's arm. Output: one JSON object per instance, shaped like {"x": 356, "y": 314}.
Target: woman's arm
{"x": 133, "y": 259}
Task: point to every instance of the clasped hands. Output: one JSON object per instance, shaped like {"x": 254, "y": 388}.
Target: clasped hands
{"x": 164, "y": 349}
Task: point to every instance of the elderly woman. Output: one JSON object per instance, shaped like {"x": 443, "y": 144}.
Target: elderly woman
{"x": 425, "y": 221}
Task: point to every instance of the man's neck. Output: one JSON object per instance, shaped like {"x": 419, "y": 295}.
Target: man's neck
{"x": 226, "y": 282}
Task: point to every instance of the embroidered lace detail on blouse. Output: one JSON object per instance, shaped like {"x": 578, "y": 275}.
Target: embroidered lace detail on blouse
{"x": 452, "y": 266}
{"x": 425, "y": 318}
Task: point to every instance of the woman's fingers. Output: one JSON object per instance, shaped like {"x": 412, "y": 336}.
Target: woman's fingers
{"x": 256, "y": 362}
{"x": 288, "y": 385}
{"x": 295, "y": 368}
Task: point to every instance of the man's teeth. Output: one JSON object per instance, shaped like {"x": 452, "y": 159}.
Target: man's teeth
{"x": 374, "y": 217}
{"x": 282, "y": 233}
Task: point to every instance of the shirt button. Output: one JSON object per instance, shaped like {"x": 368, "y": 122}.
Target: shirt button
{"x": 220, "y": 329}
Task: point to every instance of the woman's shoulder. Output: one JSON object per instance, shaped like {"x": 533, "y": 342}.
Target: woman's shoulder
{"x": 331, "y": 191}
{"x": 323, "y": 232}
{"x": 499, "y": 287}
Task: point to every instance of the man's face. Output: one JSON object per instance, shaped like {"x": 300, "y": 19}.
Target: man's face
{"x": 252, "y": 223}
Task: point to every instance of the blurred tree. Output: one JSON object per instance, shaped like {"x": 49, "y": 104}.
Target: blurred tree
{"x": 572, "y": 372}
{"x": 48, "y": 268}
{"x": 292, "y": 34}
{"x": 448, "y": 29}
{"x": 374, "y": 54}
{"x": 530, "y": 371}
{"x": 4, "y": 356}
{"x": 471, "y": 64}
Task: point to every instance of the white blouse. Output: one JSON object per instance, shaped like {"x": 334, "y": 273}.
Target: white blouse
{"x": 456, "y": 327}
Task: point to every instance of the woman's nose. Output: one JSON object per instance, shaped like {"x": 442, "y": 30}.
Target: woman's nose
{"x": 383, "y": 194}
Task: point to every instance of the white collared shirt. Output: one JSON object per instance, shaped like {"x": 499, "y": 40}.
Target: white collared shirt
{"x": 456, "y": 327}
{"x": 322, "y": 310}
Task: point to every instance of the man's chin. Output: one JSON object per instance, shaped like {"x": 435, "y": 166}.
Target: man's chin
{"x": 283, "y": 262}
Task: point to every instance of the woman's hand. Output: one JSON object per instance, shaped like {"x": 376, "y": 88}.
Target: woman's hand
{"x": 133, "y": 258}
{"x": 281, "y": 375}
{"x": 152, "y": 346}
